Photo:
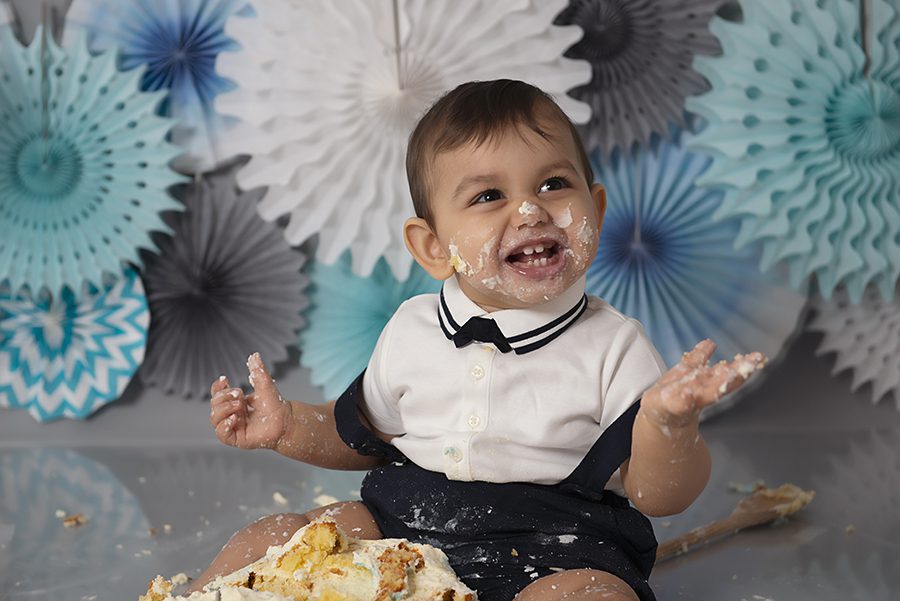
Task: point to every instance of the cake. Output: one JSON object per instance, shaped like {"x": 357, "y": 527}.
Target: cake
{"x": 321, "y": 563}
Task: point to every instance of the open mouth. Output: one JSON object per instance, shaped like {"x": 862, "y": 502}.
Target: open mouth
{"x": 536, "y": 255}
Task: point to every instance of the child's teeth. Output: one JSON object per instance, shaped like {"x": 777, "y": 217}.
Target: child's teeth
{"x": 528, "y": 250}
{"x": 538, "y": 249}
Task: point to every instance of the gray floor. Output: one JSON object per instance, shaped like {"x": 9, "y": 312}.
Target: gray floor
{"x": 149, "y": 461}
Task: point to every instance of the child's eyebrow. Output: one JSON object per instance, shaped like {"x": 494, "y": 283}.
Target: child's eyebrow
{"x": 561, "y": 164}
{"x": 473, "y": 180}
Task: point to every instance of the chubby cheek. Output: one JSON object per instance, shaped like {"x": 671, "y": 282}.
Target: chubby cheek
{"x": 583, "y": 239}
{"x": 474, "y": 255}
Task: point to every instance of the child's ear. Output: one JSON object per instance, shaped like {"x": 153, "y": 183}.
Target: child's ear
{"x": 598, "y": 193}
{"x": 426, "y": 249}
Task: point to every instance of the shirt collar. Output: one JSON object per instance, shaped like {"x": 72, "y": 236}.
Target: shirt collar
{"x": 526, "y": 329}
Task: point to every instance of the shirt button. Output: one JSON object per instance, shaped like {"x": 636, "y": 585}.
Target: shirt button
{"x": 474, "y": 420}
{"x": 477, "y": 372}
{"x": 453, "y": 453}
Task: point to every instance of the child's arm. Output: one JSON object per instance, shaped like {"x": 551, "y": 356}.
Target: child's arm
{"x": 264, "y": 420}
{"x": 669, "y": 464}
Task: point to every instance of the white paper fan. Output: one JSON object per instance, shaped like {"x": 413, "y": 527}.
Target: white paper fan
{"x": 329, "y": 92}
{"x": 865, "y": 337}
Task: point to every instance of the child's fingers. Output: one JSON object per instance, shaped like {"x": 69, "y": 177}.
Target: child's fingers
{"x": 221, "y": 383}
{"x": 226, "y": 403}
{"x": 261, "y": 379}
{"x": 225, "y": 430}
{"x": 700, "y": 354}
{"x": 727, "y": 376}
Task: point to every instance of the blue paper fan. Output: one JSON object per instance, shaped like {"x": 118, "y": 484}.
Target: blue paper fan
{"x": 68, "y": 356}
{"x": 346, "y": 316}
{"x": 806, "y": 144}
{"x": 663, "y": 260}
{"x": 178, "y": 42}
{"x": 227, "y": 284}
{"x": 640, "y": 55}
{"x": 80, "y": 190}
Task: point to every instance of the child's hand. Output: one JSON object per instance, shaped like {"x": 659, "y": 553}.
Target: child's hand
{"x": 253, "y": 421}
{"x": 684, "y": 391}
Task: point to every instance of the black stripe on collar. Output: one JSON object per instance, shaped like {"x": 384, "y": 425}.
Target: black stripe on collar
{"x": 555, "y": 327}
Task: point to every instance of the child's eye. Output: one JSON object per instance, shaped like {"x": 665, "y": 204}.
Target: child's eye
{"x": 554, "y": 183}
{"x": 487, "y": 196}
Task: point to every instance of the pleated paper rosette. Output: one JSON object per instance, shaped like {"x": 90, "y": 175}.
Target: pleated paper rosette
{"x": 806, "y": 138}
{"x": 641, "y": 54}
{"x": 35, "y": 483}
{"x": 328, "y": 93}
{"x": 663, "y": 260}
{"x": 177, "y": 43}
{"x": 346, "y": 315}
{"x": 225, "y": 285}
{"x": 82, "y": 183}
{"x": 865, "y": 338}
{"x": 68, "y": 356}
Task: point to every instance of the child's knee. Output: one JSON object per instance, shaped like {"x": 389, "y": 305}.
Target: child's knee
{"x": 578, "y": 585}
{"x": 275, "y": 529}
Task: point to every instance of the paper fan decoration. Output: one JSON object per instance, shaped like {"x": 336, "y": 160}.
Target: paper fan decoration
{"x": 640, "y": 53}
{"x": 68, "y": 356}
{"x": 178, "y": 43}
{"x": 35, "y": 483}
{"x": 225, "y": 285}
{"x": 329, "y": 93}
{"x": 866, "y": 339}
{"x": 664, "y": 261}
{"x": 82, "y": 182}
{"x": 806, "y": 138}
{"x": 346, "y": 316}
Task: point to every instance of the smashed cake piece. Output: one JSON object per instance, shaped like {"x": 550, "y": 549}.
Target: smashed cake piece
{"x": 321, "y": 563}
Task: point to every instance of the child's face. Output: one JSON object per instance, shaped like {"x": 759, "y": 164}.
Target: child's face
{"x": 516, "y": 217}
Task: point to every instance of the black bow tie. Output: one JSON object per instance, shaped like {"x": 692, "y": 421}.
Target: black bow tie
{"x": 482, "y": 330}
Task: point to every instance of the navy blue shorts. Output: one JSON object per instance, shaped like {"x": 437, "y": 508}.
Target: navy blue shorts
{"x": 500, "y": 537}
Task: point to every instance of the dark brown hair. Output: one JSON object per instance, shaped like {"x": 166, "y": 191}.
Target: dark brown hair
{"x": 477, "y": 112}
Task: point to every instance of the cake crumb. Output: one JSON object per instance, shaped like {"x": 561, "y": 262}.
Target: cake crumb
{"x": 514, "y": 553}
{"x": 323, "y": 500}
{"x": 180, "y": 578}
{"x": 74, "y": 521}
{"x": 850, "y": 529}
{"x": 151, "y": 531}
{"x": 167, "y": 528}
{"x": 665, "y": 524}
{"x": 743, "y": 488}
{"x": 60, "y": 513}
{"x": 279, "y": 498}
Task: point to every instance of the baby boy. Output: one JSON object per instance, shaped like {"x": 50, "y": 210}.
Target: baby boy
{"x": 522, "y": 426}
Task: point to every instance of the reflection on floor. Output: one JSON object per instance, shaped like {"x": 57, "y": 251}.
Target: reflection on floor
{"x": 164, "y": 509}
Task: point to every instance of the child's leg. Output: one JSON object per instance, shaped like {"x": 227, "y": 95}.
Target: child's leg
{"x": 250, "y": 543}
{"x": 578, "y": 585}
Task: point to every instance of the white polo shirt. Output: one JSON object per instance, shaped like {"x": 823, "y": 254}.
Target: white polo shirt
{"x": 529, "y": 415}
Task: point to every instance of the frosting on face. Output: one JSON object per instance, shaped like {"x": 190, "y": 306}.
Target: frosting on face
{"x": 517, "y": 219}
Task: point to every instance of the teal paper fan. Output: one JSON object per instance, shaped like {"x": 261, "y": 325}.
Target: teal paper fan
{"x": 805, "y": 138}
{"x": 346, "y": 315}
{"x": 663, "y": 260}
{"x": 68, "y": 356}
{"x": 83, "y": 178}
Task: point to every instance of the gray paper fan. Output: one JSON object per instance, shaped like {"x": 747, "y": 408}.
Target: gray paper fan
{"x": 641, "y": 53}
{"x": 225, "y": 285}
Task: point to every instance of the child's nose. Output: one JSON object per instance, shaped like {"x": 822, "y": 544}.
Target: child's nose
{"x": 530, "y": 214}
